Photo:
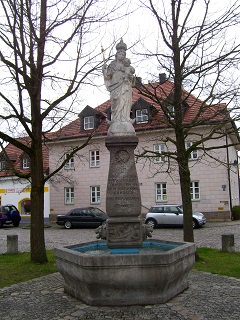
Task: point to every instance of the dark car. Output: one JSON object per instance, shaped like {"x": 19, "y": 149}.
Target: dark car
{"x": 9, "y": 214}
{"x": 82, "y": 217}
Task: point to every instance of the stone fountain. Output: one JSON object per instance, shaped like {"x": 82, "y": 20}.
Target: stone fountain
{"x": 123, "y": 267}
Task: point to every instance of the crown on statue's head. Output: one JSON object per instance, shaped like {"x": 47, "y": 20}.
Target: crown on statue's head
{"x": 121, "y": 46}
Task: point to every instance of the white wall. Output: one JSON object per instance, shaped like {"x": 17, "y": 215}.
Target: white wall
{"x": 15, "y": 191}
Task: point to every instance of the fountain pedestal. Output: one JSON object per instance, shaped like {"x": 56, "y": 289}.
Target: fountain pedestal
{"x": 123, "y": 199}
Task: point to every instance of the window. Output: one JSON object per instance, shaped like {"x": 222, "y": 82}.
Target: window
{"x": 77, "y": 213}
{"x": 70, "y": 163}
{"x": 159, "y": 148}
{"x": 94, "y": 159}
{"x": 194, "y": 154}
{"x": 69, "y": 195}
{"x": 171, "y": 112}
{"x": 88, "y": 123}
{"x": 171, "y": 209}
{"x": 2, "y": 165}
{"x": 95, "y": 194}
{"x": 195, "y": 190}
{"x": 161, "y": 192}
{"x": 25, "y": 163}
{"x": 141, "y": 115}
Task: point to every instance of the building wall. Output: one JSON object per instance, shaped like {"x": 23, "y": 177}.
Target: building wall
{"x": 211, "y": 174}
{"x": 16, "y": 191}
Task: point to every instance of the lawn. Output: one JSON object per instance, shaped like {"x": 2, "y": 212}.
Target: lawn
{"x": 216, "y": 261}
{"x": 15, "y": 268}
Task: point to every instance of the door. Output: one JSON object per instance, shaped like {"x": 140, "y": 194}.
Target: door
{"x": 77, "y": 217}
{"x": 172, "y": 216}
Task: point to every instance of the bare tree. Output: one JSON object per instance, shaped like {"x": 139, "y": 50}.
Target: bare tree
{"x": 199, "y": 51}
{"x": 48, "y": 51}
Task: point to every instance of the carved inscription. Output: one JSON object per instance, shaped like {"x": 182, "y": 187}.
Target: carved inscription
{"x": 123, "y": 193}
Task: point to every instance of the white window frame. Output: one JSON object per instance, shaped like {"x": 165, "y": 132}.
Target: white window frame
{"x": 159, "y": 148}
{"x": 25, "y": 163}
{"x": 88, "y": 123}
{"x": 141, "y": 116}
{"x": 3, "y": 165}
{"x": 161, "y": 191}
{"x": 195, "y": 190}
{"x": 94, "y": 158}
{"x": 69, "y": 195}
{"x": 171, "y": 112}
{"x": 95, "y": 194}
{"x": 69, "y": 165}
{"x": 194, "y": 154}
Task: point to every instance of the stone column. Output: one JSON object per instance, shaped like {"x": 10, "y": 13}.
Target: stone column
{"x": 228, "y": 243}
{"x": 12, "y": 243}
{"x": 123, "y": 199}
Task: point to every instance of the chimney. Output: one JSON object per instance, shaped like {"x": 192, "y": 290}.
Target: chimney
{"x": 162, "y": 78}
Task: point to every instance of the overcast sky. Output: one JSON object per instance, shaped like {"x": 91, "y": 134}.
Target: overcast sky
{"x": 137, "y": 28}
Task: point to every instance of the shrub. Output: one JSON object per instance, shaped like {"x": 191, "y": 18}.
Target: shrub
{"x": 236, "y": 212}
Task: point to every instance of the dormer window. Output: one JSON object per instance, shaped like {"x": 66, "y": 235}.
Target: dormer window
{"x": 142, "y": 116}
{"x": 171, "y": 112}
{"x": 2, "y": 165}
{"x": 88, "y": 123}
{"x": 90, "y": 119}
{"x": 25, "y": 163}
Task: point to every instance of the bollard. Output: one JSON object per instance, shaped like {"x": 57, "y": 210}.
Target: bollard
{"x": 228, "y": 243}
{"x": 12, "y": 243}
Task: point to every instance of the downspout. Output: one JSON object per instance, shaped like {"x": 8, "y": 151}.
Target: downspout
{"x": 229, "y": 180}
{"x": 238, "y": 180}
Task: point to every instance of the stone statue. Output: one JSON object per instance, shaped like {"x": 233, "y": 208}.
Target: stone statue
{"x": 119, "y": 79}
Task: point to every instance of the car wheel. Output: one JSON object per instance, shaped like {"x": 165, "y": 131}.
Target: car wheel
{"x": 151, "y": 222}
{"x": 16, "y": 224}
{"x": 195, "y": 224}
{"x": 67, "y": 224}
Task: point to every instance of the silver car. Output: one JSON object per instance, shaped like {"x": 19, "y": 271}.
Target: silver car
{"x": 171, "y": 215}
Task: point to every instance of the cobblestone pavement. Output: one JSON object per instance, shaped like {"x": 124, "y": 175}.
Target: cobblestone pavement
{"x": 209, "y": 297}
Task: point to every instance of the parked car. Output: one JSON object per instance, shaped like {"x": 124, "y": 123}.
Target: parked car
{"x": 9, "y": 214}
{"x": 171, "y": 215}
{"x": 82, "y": 217}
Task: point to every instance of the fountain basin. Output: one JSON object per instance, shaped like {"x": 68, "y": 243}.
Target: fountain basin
{"x": 148, "y": 277}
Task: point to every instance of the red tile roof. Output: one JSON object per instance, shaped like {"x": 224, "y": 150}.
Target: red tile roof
{"x": 195, "y": 108}
{"x": 15, "y": 155}
{"x": 204, "y": 113}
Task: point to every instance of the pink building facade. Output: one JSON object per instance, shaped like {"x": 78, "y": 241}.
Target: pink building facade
{"x": 83, "y": 180}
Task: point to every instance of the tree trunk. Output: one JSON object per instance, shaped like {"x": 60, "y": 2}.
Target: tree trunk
{"x": 182, "y": 155}
{"x": 185, "y": 181}
{"x": 38, "y": 251}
